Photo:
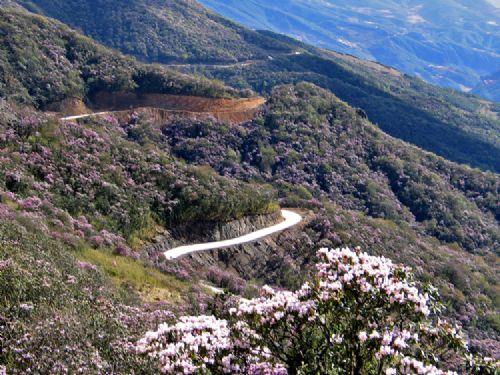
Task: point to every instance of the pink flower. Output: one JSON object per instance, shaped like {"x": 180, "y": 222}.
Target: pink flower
{"x": 362, "y": 336}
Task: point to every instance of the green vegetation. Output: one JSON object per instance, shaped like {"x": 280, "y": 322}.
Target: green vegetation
{"x": 43, "y": 62}
{"x": 160, "y": 31}
{"x": 457, "y": 126}
{"x": 151, "y": 284}
{"x": 367, "y": 189}
{"x": 120, "y": 182}
{"x": 443, "y": 42}
{"x": 58, "y": 314}
{"x": 87, "y": 208}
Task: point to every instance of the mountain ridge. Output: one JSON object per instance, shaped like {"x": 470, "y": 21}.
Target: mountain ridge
{"x": 414, "y": 36}
{"x": 457, "y": 126}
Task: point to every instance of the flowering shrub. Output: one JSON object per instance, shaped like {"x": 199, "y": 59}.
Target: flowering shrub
{"x": 124, "y": 187}
{"x": 360, "y": 314}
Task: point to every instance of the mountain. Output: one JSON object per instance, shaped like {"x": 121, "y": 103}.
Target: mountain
{"x": 78, "y": 201}
{"x": 47, "y": 64}
{"x": 89, "y": 205}
{"x": 457, "y": 126}
{"x": 159, "y": 31}
{"x": 448, "y": 43}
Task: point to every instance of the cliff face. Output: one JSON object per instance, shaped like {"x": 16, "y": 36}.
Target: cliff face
{"x": 263, "y": 260}
{"x": 160, "y": 116}
{"x": 124, "y": 100}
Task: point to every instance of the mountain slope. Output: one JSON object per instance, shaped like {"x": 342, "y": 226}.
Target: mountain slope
{"x": 489, "y": 87}
{"x": 88, "y": 207}
{"x": 160, "y": 31}
{"x": 457, "y": 126}
{"x": 365, "y": 188}
{"x": 42, "y": 63}
{"x": 448, "y": 43}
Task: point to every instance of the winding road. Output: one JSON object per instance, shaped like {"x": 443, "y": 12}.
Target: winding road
{"x": 291, "y": 219}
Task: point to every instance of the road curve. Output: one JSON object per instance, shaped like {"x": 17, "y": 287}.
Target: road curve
{"x": 291, "y": 219}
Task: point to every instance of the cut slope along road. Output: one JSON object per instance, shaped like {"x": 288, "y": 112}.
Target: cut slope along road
{"x": 291, "y": 219}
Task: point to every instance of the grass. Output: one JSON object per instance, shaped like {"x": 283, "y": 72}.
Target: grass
{"x": 151, "y": 284}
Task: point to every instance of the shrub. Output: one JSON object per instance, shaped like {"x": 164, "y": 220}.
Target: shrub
{"x": 360, "y": 314}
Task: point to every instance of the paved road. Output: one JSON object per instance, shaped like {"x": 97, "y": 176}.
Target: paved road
{"x": 69, "y": 118}
{"x": 291, "y": 219}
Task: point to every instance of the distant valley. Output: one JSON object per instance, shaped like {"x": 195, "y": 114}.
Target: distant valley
{"x": 448, "y": 43}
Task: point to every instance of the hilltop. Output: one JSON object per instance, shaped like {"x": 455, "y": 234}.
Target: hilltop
{"x": 160, "y": 31}
{"x": 44, "y": 62}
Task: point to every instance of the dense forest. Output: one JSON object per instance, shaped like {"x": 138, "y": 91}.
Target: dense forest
{"x": 44, "y": 62}
{"x": 160, "y": 31}
{"x": 314, "y": 148}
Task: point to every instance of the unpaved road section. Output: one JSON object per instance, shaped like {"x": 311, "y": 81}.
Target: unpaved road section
{"x": 291, "y": 219}
{"x": 162, "y": 106}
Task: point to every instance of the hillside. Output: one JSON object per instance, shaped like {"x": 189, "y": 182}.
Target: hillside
{"x": 447, "y": 43}
{"x": 368, "y": 188}
{"x": 160, "y": 31}
{"x": 43, "y": 63}
{"x": 457, "y": 126}
{"x": 78, "y": 202}
{"x": 489, "y": 87}
{"x": 89, "y": 206}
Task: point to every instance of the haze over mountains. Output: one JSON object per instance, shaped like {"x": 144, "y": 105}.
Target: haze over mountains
{"x": 449, "y": 43}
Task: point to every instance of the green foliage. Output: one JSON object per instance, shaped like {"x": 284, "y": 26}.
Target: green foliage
{"x": 222, "y": 204}
{"x": 43, "y": 62}
{"x": 48, "y": 302}
{"x": 167, "y": 31}
{"x": 454, "y": 125}
{"x": 128, "y": 273}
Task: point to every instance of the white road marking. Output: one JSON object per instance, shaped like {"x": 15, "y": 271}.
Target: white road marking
{"x": 291, "y": 219}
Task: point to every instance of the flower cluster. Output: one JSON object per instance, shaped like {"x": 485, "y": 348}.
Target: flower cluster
{"x": 119, "y": 175}
{"x": 410, "y": 365}
{"x": 352, "y": 269}
{"x": 174, "y": 346}
{"x": 206, "y": 343}
{"x": 359, "y": 311}
{"x": 274, "y": 306}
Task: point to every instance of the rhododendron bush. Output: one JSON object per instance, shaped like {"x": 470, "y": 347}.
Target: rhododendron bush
{"x": 360, "y": 314}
